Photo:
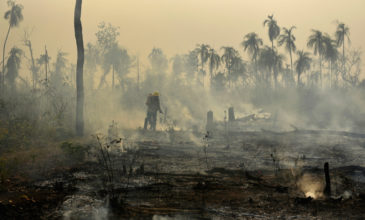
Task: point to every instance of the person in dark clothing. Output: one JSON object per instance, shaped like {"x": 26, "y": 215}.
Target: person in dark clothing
{"x": 147, "y": 120}
{"x": 153, "y": 105}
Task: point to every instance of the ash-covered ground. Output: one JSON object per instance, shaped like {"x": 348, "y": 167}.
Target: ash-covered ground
{"x": 220, "y": 175}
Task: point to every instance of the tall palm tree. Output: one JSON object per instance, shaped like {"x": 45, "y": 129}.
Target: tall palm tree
{"x": 44, "y": 60}
{"x": 274, "y": 32}
{"x": 214, "y": 62}
{"x": 252, "y": 43}
{"x": 316, "y": 42}
{"x": 13, "y": 66}
{"x": 228, "y": 59}
{"x": 287, "y": 39}
{"x": 79, "y": 70}
{"x": 203, "y": 51}
{"x": 302, "y": 64}
{"x": 274, "y": 29}
{"x": 331, "y": 53}
{"x": 342, "y": 33}
{"x": 15, "y": 16}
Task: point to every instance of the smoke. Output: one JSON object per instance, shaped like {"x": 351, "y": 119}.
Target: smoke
{"x": 311, "y": 186}
{"x": 186, "y": 107}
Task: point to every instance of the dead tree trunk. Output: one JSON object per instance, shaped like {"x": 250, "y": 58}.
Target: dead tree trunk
{"x": 327, "y": 189}
{"x": 210, "y": 122}
{"x": 79, "y": 70}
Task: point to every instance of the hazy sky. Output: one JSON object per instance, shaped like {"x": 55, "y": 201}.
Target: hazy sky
{"x": 177, "y": 26}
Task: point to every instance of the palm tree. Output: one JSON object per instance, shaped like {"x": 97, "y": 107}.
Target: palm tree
{"x": 342, "y": 33}
{"x": 13, "y": 66}
{"x": 44, "y": 60}
{"x": 79, "y": 70}
{"x": 274, "y": 29}
{"x": 15, "y": 16}
{"x": 228, "y": 58}
{"x": 252, "y": 43}
{"x": 287, "y": 39}
{"x": 203, "y": 51}
{"x": 331, "y": 53}
{"x": 316, "y": 42}
{"x": 214, "y": 62}
{"x": 302, "y": 64}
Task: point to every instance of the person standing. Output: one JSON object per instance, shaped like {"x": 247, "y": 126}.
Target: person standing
{"x": 147, "y": 120}
{"x": 153, "y": 106}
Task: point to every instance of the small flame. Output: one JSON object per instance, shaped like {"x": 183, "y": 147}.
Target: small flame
{"x": 311, "y": 186}
{"x": 313, "y": 194}
{"x": 310, "y": 194}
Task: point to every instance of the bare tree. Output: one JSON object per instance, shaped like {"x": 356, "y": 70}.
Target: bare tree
{"x": 79, "y": 70}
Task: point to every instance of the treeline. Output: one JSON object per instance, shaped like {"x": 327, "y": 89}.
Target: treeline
{"x": 328, "y": 62}
{"x": 47, "y": 85}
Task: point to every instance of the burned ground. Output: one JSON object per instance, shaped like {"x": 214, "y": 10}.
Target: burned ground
{"x": 257, "y": 175}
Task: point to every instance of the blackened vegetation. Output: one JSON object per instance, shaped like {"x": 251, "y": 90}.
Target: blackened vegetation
{"x": 146, "y": 177}
{"x": 247, "y": 166}
{"x": 117, "y": 168}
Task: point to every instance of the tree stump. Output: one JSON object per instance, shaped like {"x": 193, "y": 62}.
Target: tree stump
{"x": 327, "y": 189}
